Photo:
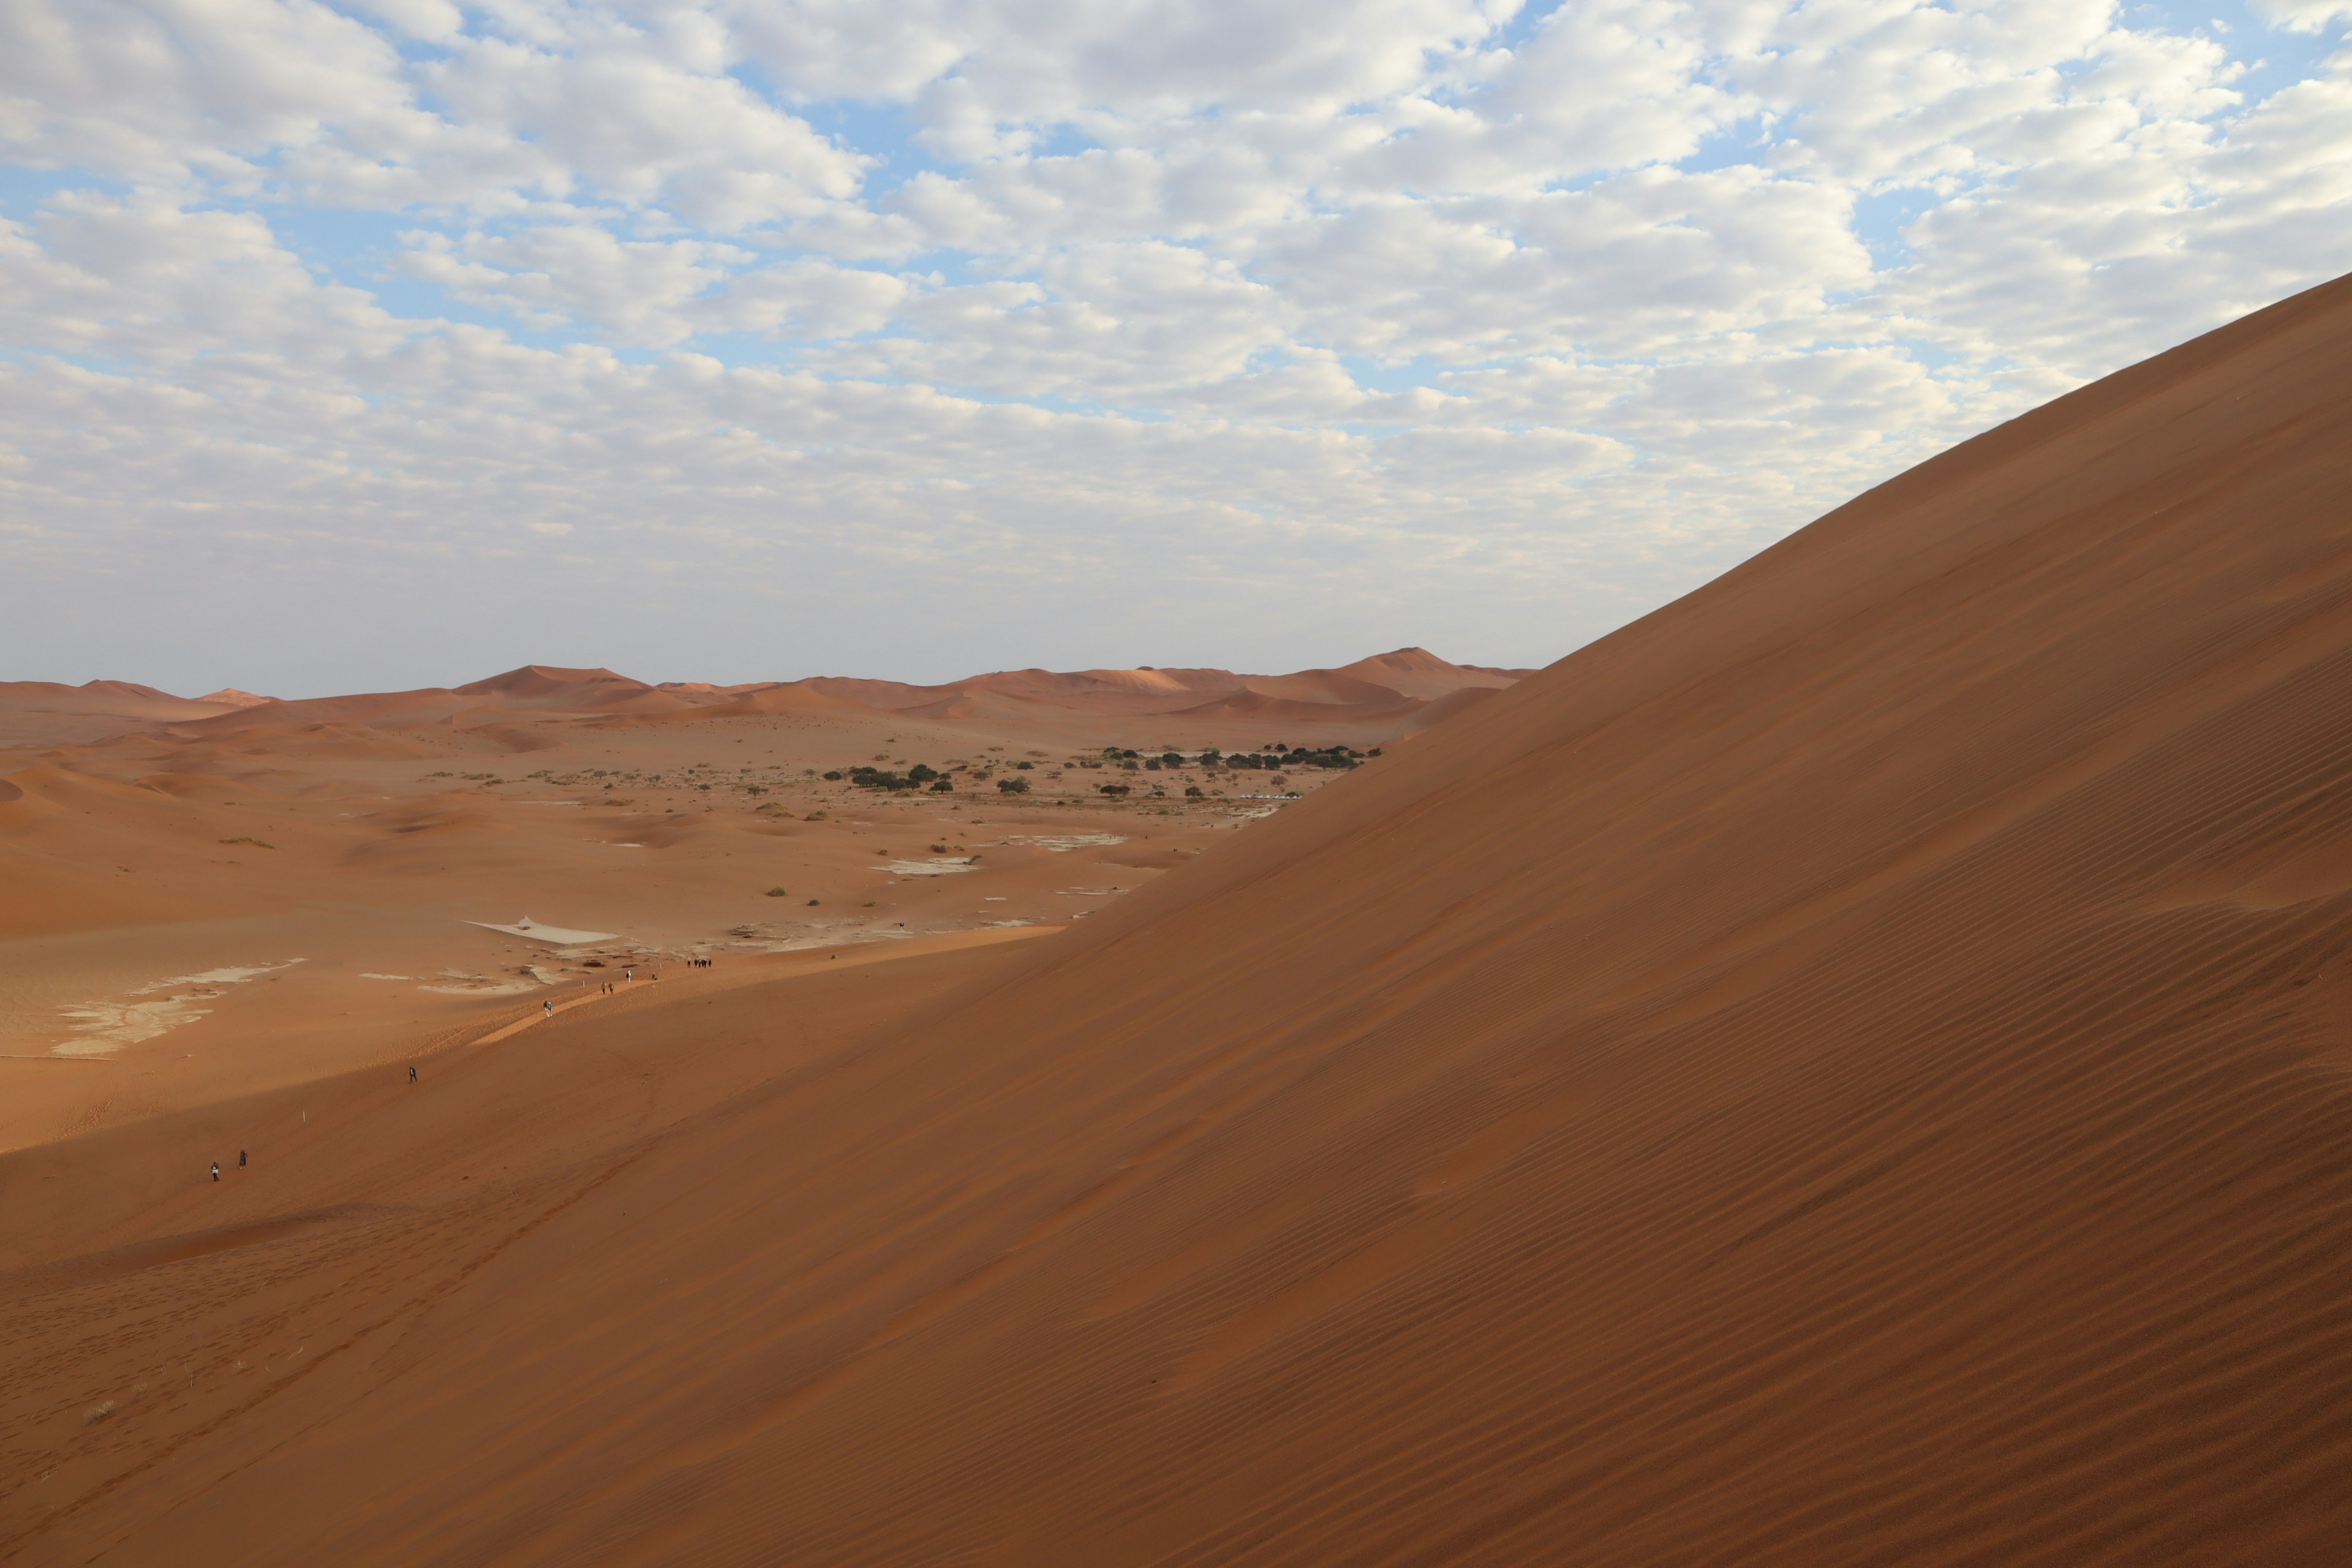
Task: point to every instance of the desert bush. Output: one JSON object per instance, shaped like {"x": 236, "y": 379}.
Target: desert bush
{"x": 778, "y": 893}
{"x": 1194, "y": 792}
{"x": 1014, "y": 786}
{"x": 1113, "y": 791}
{"x": 943, "y": 786}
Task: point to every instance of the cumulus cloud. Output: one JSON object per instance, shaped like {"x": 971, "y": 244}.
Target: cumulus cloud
{"x": 1035, "y": 324}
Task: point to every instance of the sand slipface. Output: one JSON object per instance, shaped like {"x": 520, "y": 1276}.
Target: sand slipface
{"x": 1849, "y": 1070}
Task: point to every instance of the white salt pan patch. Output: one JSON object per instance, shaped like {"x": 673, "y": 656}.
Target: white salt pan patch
{"x": 559, "y": 936}
{"x": 366, "y": 975}
{"x": 835, "y": 938}
{"x": 106, "y": 1027}
{"x": 928, "y": 868}
{"x": 480, "y": 986}
{"x": 1063, "y": 842}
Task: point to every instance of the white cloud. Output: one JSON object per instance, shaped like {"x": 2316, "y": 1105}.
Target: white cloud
{"x": 2303, "y": 16}
{"x": 156, "y": 90}
{"x": 1422, "y": 319}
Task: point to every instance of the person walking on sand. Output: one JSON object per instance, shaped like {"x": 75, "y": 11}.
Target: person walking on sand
{"x": 215, "y": 1170}
{"x": 411, "y": 1075}
{"x": 240, "y": 1159}
{"x": 549, "y": 1008}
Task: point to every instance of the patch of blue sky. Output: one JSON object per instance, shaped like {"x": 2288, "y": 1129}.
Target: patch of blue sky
{"x": 1523, "y": 24}
{"x": 23, "y": 190}
{"x": 1932, "y": 357}
{"x": 1063, "y": 140}
{"x": 97, "y": 365}
{"x": 361, "y": 250}
{"x": 884, "y": 131}
{"x": 1140, "y": 413}
{"x": 763, "y": 351}
{"x": 2274, "y": 57}
{"x": 1393, "y": 376}
{"x": 1743, "y": 141}
{"x": 1881, "y": 217}
{"x": 1584, "y": 180}
{"x": 352, "y": 244}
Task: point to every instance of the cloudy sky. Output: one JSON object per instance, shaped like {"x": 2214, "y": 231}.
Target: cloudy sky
{"x": 389, "y": 343}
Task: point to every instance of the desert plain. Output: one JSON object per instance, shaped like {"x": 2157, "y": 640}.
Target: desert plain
{"x": 1854, "y": 1068}
{"x": 211, "y": 896}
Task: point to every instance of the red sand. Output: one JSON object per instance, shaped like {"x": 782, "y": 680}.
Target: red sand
{"x": 1852, "y": 1068}
{"x": 216, "y": 898}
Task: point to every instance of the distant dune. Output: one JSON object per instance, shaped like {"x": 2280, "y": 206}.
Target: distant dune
{"x": 1850, "y": 1069}
{"x": 1369, "y": 700}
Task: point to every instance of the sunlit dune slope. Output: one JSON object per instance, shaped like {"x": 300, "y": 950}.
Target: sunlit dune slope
{"x": 1852, "y": 1068}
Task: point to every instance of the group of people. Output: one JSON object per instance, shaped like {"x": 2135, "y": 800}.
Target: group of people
{"x": 547, "y": 1009}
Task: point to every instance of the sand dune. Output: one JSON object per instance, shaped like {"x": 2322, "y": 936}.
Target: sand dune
{"x": 503, "y": 707}
{"x": 1381, "y": 690}
{"x": 42, "y": 713}
{"x": 1848, "y": 1069}
{"x": 1419, "y": 673}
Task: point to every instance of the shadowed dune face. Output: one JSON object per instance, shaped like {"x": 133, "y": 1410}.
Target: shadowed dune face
{"x": 1850, "y": 1069}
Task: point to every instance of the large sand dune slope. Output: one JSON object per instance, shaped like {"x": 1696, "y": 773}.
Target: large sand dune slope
{"x": 1856, "y": 1067}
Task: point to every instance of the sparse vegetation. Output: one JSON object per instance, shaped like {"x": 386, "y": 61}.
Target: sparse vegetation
{"x": 257, "y": 843}
{"x": 1014, "y": 786}
{"x": 778, "y": 893}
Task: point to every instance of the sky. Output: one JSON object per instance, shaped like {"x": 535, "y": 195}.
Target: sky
{"x": 387, "y": 343}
